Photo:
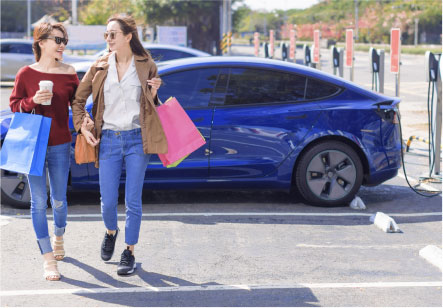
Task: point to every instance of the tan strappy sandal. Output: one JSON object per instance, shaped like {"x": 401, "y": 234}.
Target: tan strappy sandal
{"x": 50, "y": 274}
{"x": 59, "y": 254}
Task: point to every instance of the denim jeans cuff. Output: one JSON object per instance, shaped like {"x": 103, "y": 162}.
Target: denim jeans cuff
{"x": 59, "y": 231}
{"x": 45, "y": 245}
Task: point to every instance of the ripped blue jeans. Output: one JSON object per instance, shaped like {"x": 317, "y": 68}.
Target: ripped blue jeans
{"x": 57, "y": 165}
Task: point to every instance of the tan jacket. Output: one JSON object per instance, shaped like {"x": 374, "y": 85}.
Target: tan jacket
{"x": 154, "y": 139}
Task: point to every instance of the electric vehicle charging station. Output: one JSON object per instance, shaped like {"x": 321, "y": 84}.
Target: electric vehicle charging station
{"x": 284, "y": 51}
{"x": 377, "y": 62}
{"x": 306, "y": 55}
{"x": 433, "y": 77}
{"x": 337, "y": 60}
{"x": 266, "y": 50}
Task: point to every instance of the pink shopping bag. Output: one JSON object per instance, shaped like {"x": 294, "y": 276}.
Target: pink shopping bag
{"x": 182, "y": 135}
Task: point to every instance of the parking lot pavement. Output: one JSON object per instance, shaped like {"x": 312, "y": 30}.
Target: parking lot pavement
{"x": 235, "y": 249}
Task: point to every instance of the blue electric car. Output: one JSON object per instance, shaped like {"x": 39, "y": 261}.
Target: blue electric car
{"x": 268, "y": 125}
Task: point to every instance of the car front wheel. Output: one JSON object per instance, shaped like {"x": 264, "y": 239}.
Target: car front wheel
{"x": 15, "y": 189}
{"x": 329, "y": 174}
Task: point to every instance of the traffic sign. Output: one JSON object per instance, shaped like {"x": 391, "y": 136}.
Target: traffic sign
{"x": 316, "y": 57}
{"x": 349, "y": 47}
{"x": 395, "y": 50}
{"x": 271, "y": 43}
{"x": 256, "y": 43}
{"x": 292, "y": 44}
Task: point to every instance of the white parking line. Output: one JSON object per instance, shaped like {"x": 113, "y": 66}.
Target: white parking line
{"x": 148, "y": 289}
{"x": 242, "y": 214}
{"x": 391, "y": 246}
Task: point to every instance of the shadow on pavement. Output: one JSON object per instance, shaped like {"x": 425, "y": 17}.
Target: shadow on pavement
{"x": 204, "y": 298}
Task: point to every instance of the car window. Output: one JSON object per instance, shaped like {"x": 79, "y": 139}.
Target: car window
{"x": 253, "y": 86}
{"x": 19, "y": 48}
{"x": 5, "y": 47}
{"x": 318, "y": 89}
{"x": 192, "y": 88}
{"x": 159, "y": 54}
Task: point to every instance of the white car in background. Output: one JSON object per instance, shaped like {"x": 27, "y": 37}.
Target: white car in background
{"x": 16, "y": 53}
{"x": 159, "y": 52}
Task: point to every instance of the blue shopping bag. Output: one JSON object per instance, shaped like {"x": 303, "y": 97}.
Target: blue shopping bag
{"x": 24, "y": 147}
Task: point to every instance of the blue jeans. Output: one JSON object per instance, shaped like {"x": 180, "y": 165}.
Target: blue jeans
{"x": 118, "y": 148}
{"x": 57, "y": 164}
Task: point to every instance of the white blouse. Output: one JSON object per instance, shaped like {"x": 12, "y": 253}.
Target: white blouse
{"x": 122, "y": 99}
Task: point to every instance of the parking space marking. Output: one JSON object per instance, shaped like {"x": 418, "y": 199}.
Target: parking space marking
{"x": 242, "y": 214}
{"x": 408, "y": 284}
{"x": 406, "y": 246}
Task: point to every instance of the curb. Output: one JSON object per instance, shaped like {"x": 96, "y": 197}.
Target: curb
{"x": 433, "y": 255}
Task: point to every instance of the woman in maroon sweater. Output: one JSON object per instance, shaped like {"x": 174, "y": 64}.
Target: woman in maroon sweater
{"x": 49, "y": 43}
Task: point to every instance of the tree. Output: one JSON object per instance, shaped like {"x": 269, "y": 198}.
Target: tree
{"x": 97, "y": 12}
{"x": 14, "y": 13}
{"x": 202, "y": 18}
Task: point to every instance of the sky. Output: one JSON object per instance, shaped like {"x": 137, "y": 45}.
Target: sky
{"x": 271, "y": 5}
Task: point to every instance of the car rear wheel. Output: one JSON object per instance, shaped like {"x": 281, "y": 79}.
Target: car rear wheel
{"x": 329, "y": 174}
{"x": 15, "y": 189}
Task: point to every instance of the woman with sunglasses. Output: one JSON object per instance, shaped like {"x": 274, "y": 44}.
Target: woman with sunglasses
{"x": 49, "y": 44}
{"x": 127, "y": 129}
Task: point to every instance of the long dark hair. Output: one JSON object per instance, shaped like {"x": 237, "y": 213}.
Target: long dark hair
{"x": 128, "y": 25}
{"x": 42, "y": 32}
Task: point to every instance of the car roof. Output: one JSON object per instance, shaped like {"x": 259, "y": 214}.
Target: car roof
{"x": 264, "y": 63}
{"x": 175, "y": 47}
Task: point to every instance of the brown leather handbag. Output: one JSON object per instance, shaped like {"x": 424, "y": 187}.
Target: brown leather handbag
{"x": 84, "y": 153}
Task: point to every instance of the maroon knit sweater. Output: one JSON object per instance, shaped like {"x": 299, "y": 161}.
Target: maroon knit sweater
{"x": 26, "y": 84}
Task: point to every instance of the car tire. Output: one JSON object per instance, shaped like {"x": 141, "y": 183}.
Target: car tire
{"x": 15, "y": 190}
{"x": 329, "y": 174}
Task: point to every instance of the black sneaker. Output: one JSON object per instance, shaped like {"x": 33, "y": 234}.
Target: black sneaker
{"x": 127, "y": 263}
{"x": 108, "y": 245}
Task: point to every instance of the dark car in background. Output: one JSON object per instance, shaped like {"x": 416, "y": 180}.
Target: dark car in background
{"x": 268, "y": 125}
{"x": 159, "y": 52}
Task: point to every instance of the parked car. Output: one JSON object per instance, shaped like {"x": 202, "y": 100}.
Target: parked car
{"x": 16, "y": 53}
{"x": 159, "y": 52}
{"x": 268, "y": 125}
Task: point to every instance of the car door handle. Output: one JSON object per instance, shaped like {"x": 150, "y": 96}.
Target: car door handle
{"x": 198, "y": 119}
{"x": 297, "y": 117}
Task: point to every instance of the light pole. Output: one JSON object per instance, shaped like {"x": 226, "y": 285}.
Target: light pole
{"x": 74, "y": 12}
{"x": 28, "y": 32}
{"x": 356, "y": 19}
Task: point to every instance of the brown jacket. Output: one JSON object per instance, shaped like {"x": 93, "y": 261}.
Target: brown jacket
{"x": 154, "y": 139}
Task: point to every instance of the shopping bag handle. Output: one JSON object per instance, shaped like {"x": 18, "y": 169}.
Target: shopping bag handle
{"x": 32, "y": 112}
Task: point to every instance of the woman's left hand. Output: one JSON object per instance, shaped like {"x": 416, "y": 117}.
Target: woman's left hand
{"x": 155, "y": 84}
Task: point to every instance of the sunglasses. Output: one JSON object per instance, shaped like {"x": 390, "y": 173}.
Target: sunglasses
{"x": 58, "y": 40}
{"x": 111, "y": 34}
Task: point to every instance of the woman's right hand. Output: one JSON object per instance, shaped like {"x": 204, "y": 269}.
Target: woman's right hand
{"x": 42, "y": 96}
{"x": 87, "y": 125}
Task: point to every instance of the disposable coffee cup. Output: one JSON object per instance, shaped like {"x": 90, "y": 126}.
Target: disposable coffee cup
{"x": 46, "y": 85}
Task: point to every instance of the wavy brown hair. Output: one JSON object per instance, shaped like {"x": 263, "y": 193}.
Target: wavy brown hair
{"x": 128, "y": 25}
{"x": 42, "y": 32}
